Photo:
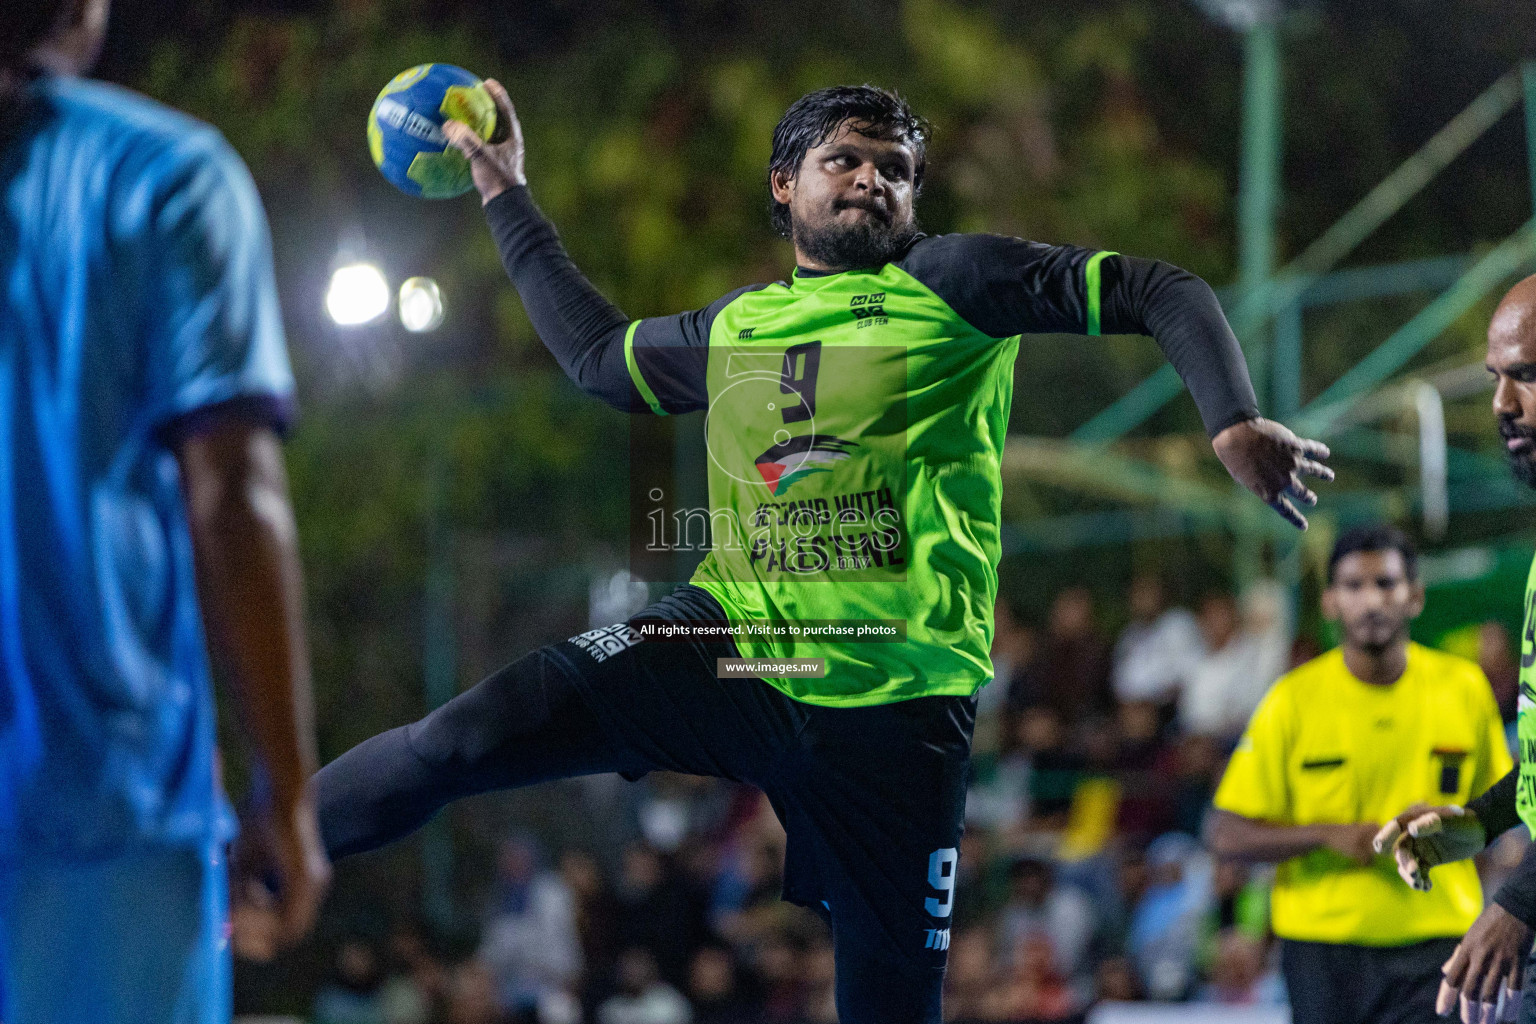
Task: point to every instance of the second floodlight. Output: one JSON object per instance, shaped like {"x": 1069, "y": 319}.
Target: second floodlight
{"x": 421, "y": 305}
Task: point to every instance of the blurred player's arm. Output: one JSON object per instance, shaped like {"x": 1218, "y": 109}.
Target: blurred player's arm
{"x": 220, "y": 387}
{"x": 1235, "y": 837}
{"x": 245, "y": 546}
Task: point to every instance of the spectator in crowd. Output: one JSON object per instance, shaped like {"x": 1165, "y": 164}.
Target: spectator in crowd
{"x": 1036, "y": 989}
{"x": 472, "y": 996}
{"x": 1167, "y": 924}
{"x": 1240, "y": 975}
{"x": 1146, "y": 767}
{"x": 1495, "y": 656}
{"x": 1247, "y": 649}
{"x": 1198, "y": 765}
{"x": 779, "y": 966}
{"x": 1071, "y": 673}
{"x": 1038, "y": 907}
{"x": 1014, "y": 645}
{"x": 976, "y": 880}
{"x": 352, "y": 995}
{"x": 661, "y": 912}
{"x": 1042, "y": 770}
{"x": 1241, "y": 899}
{"x": 643, "y": 998}
{"x": 1116, "y": 981}
{"x": 416, "y": 988}
{"x": 716, "y": 988}
{"x": 676, "y": 807}
{"x": 596, "y": 912}
{"x": 1158, "y": 650}
{"x": 820, "y": 983}
{"x": 970, "y": 976}
{"x": 530, "y": 941}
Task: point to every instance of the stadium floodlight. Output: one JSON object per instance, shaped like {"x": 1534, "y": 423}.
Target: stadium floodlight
{"x": 358, "y": 295}
{"x": 421, "y": 305}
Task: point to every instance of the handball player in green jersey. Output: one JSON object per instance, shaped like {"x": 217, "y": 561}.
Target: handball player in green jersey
{"x": 856, "y": 418}
{"x": 1486, "y": 975}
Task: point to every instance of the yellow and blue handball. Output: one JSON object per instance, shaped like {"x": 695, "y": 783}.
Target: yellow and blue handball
{"x": 405, "y": 129}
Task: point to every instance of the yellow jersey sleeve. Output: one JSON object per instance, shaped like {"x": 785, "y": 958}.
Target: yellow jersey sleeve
{"x": 1255, "y": 783}
{"x": 1493, "y": 760}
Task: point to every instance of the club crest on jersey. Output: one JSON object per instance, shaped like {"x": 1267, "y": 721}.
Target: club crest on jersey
{"x": 869, "y": 310}
{"x": 799, "y": 457}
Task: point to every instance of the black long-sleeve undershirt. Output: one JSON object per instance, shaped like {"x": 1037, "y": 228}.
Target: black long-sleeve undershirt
{"x": 583, "y": 330}
{"x": 1000, "y": 286}
{"x": 1497, "y": 811}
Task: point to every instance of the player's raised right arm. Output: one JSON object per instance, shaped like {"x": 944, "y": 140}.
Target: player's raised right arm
{"x": 583, "y": 330}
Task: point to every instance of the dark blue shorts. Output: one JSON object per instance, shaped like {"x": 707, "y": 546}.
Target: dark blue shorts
{"x": 871, "y": 798}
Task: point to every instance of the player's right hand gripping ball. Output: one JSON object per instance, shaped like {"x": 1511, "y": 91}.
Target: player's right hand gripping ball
{"x": 405, "y": 129}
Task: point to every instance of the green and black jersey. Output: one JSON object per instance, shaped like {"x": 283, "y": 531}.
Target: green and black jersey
{"x": 1525, "y": 797}
{"x": 855, "y": 427}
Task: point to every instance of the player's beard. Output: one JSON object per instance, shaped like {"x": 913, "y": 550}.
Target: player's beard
{"x": 1522, "y": 463}
{"x": 870, "y": 242}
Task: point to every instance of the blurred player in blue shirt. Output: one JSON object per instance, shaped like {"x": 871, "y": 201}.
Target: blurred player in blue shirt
{"x": 145, "y": 530}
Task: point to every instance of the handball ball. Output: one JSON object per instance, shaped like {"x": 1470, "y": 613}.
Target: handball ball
{"x": 405, "y": 129}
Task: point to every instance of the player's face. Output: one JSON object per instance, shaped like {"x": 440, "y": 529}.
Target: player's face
{"x": 1373, "y": 599}
{"x": 850, "y": 204}
{"x": 1512, "y": 361}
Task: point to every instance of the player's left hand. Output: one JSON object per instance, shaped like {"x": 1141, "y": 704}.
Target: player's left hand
{"x": 279, "y": 874}
{"x": 1491, "y": 958}
{"x": 1269, "y": 460}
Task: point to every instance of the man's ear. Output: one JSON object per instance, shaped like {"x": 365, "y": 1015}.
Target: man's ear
{"x": 781, "y": 185}
{"x": 1330, "y": 605}
{"x": 1416, "y": 606}
{"x": 76, "y": 14}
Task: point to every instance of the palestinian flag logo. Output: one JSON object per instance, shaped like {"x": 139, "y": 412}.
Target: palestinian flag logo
{"x": 799, "y": 457}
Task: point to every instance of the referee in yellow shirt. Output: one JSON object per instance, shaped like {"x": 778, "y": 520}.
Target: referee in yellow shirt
{"x": 1337, "y": 747}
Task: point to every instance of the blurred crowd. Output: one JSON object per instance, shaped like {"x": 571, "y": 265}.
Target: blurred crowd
{"x": 1081, "y": 876}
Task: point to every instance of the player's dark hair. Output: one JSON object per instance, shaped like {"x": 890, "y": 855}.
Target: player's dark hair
{"x": 1375, "y": 537}
{"x": 815, "y": 117}
{"x": 23, "y": 25}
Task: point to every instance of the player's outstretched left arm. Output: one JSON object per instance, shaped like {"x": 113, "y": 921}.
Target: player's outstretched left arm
{"x": 1181, "y": 312}
{"x": 1006, "y": 286}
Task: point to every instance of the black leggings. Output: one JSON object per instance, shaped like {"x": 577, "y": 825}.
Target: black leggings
{"x": 522, "y": 725}
{"x": 871, "y": 798}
